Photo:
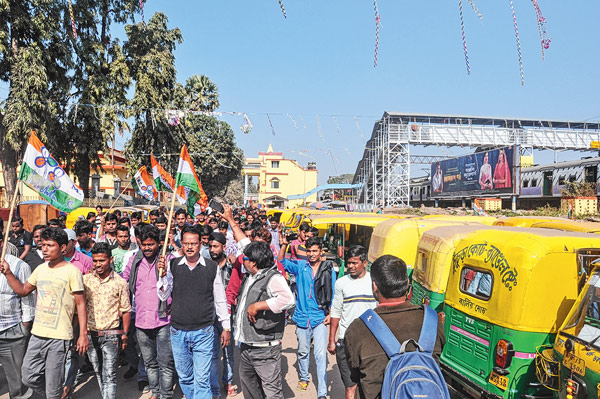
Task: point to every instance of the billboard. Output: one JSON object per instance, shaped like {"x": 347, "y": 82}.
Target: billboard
{"x": 483, "y": 173}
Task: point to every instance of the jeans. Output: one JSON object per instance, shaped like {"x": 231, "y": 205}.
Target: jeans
{"x": 73, "y": 363}
{"x": 13, "y": 343}
{"x": 41, "y": 352}
{"x": 227, "y": 377}
{"x": 155, "y": 345}
{"x": 260, "y": 372}
{"x": 131, "y": 354}
{"x": 104, "y": 356}
{"x": 193, "y": 352}
{"x": 319, "y": 336}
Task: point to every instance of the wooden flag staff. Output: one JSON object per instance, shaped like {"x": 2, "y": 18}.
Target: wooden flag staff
{"x": 169, "y": 222}
{"x": 10, "y": 216}
{"x": 116, "y": 199}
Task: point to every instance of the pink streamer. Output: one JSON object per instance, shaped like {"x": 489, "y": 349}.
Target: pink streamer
{"x": 541, "y": 21}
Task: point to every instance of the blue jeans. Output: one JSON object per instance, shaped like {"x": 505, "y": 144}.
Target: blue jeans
{"x": 227, "y": 377}
{"x": 104, "y": 356}
{"x": 193, "y": 352}
{"x": 155, "y": 345}
{"x": 319, "y": 337}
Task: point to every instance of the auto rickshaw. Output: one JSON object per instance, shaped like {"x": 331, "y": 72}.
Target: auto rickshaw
{"x": 569, "y": 225}
{"x": 571, "y": 368}
{"x": 400, "y": 237}
{"x": 434, "y": 261}
{"x": 74, "y": 216}
{"x": 487, "y": 220}
{"x": 274, "y": 214}
{"x": 509, "y": 291}
{"x": 525, "y": 221}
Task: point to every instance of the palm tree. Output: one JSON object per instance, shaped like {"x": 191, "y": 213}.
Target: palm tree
{"x": 201, "y": 93}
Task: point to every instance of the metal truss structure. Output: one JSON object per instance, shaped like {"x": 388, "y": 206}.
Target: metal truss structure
{"x": 384, "y": 170}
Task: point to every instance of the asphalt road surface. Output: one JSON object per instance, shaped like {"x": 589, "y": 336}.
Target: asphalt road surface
{"x": 88, "y": 388}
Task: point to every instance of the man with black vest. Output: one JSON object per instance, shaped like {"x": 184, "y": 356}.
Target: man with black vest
{"x": 197, "y": 291}
{"x": 260, "y": 321}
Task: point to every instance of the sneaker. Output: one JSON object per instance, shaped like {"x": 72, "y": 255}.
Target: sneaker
{"x": 144, "y": 386}
{"x": 130, "y": 373}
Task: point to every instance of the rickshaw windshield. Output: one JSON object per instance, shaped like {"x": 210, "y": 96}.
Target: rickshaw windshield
{"x": 584, "y": 321}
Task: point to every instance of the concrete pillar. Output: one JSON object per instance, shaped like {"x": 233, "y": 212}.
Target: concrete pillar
{"x": 464, "y": 203}
{"x": 245, "y": 189}
{"x": 514, "y": 203}
{"x": 436, "y": 203}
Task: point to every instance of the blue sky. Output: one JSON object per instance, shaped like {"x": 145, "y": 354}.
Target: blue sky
{"x": 319, "y": 61}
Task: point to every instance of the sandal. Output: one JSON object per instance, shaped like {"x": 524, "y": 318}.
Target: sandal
{"x": 302, "y": 386}
{"x": 231, "y": 390}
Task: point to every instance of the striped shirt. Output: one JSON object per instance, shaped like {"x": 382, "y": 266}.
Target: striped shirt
{"x": 351, "y": 298}
{"x": 14, "y": 309}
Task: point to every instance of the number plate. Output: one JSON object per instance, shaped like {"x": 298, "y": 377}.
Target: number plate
{"x": 499, "y": 380}
{"x": 574, "y": 363}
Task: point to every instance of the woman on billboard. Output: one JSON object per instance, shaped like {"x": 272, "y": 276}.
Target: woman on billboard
{"x": 485, "y": 174}
{"x": 502, "y": 172}
{"x": 438, "y": 180}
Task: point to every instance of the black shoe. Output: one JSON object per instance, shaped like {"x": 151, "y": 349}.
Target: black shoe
{"x": 130, "y": 373}
{"x": 142, "y": 385}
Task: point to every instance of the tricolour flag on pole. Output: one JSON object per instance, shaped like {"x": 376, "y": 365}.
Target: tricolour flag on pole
{"x": 163, "y": 181}
{"x": 143, "y": 185}
{"x": 42, "y": 173}
{"x": 187, "y": 178}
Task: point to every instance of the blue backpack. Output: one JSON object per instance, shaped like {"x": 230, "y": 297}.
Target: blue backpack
{"x": 409, "y": 374}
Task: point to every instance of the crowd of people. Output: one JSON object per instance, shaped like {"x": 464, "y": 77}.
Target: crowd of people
{"x": 105, "y": 294}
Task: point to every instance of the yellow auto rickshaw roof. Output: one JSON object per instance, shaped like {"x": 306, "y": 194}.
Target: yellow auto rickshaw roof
{"x": 535, "y": 275}
{"x": 569, "y": 225}
{"x": 364, "y": 219}
{"x": 524, "y": 221}
{"x": 487, "y": 220}
{"x": 438, "y": 245}
{"x": 400, "y": 237}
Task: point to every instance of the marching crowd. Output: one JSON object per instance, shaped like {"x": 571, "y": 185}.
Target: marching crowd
{"x": 105, "y": 294}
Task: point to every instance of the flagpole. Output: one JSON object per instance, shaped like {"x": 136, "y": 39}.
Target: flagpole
{"x": 10, "y": 216}
{"x": 116, "y": 199}
{"x": 169, "y": 222}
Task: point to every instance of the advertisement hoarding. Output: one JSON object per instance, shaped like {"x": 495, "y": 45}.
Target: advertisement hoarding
{"x": 483, "y": 173}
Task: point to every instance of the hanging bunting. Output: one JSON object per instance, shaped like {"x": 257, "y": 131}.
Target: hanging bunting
{"x": 319, "y": 128}
{"x": 464, "y": 37}
{"x": 142, "y": 12}
{"x": 271, "y": 123}
{"x": 359, "y": 130}
{"x": 475, "y": 10}
{"x": 541, "y": 21}
{"x": 173, "y": 117}
{"x": 247, "y": 125}
{"x": 294, "y": 122}
{"x": 303, "y": 122}
{"x": 337, "y": 126}
{"x": 377, "y": 20}
{"x": 282, "y": 9}
{"x": 72, "y": 20}
{"x": 514, "y": 15}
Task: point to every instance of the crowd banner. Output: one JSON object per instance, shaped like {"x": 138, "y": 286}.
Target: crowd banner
{"x": 480, "y": 174}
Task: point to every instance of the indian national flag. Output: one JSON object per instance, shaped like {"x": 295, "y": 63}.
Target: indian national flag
{"x": 42, "y": 173}
{"x": 187, "y": 178}
{"x": 163, "y": 181}
{"x": 143, "y": 184}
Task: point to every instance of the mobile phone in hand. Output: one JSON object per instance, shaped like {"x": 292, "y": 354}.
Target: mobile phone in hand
{"x": 216, "y": 206}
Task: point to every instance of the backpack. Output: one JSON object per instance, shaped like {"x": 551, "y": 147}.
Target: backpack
{"x": 409, "y": 374}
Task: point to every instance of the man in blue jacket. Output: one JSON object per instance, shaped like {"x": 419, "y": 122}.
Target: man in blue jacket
{"x": 315, "y": 280}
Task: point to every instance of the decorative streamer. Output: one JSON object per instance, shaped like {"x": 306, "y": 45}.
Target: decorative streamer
{"x": 75, "y": 115}
{"x": 319, "y": 129}
{"x": 334, "y": 163}
{"x": 72, "y": 20}
{"x": 271, "y": 123}
{"x": 475, "y": 10}
{"x": 337, "y": 126}
{"x": 541, "y": 21}
{"x": 142, "y": 12}
{"x": 294, "y": 122}
{"x": 282, "y": 9}
{"x": 464, "y": 37}
{"x": 514, "y": 15}
{"x": 359, "y": 130}
{"x": 303, "y": 122}
{"x": 246, "y": 125}
{"x": 153, "y": 114}
{"x": 377, "y": 20}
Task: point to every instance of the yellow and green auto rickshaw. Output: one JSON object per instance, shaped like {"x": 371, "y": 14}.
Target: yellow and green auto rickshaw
{"x": 571, "y": 368}
{"x": 400, "y": 237}
{"x": 508, "y": 292}
{"x": 525, "y": 221}
{"x": 434, "y": 261}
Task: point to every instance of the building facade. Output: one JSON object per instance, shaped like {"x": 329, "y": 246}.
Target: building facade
{"x": 270, "y": 178}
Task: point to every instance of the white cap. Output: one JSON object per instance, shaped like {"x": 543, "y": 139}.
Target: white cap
{"x": 70, "y": 234}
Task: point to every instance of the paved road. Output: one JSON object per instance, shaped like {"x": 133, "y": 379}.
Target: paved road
{"x": 88, "y": 389}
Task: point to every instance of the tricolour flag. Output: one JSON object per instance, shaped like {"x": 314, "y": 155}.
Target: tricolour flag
{"x": 42, "y": 173}
{"x": 163, "y": 181}
{"x": 143, "y": 184}
{"x": 187, "y": 178}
